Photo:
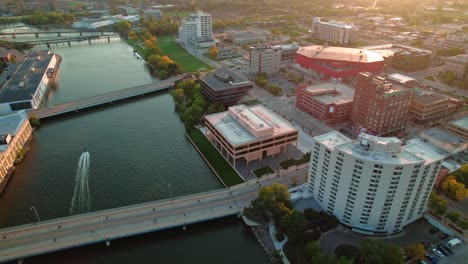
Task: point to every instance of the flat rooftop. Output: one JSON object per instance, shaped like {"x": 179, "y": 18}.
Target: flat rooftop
{"x": 259, "y": 119}
{"x": 411, "y": 153}
{"x": 400, "y": 78}
{"x": 223, "y": 79}
{"x": 10, "y": 124}
{"x": 461, "y": 58}
{"x": 340, "y": 54}
{"x": 25, "y": 77}
{"x": 334, "y": 23}
{"x": 427, "y": 97}
{"x": 461, "y": 122}
{"x": 329, "y": 93}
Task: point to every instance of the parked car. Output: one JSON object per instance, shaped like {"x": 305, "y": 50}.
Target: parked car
{"x": 432, "y": 259}
{"x": 450, "y": 251}
{"x": 422, "y": 261}
{"x": 454, "y": 243}
{"x": 437, "y": 252}
{"x": 443, "y": 251}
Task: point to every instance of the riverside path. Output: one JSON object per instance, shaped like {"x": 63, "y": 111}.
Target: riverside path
{"x": 47, "y": 236}
{"x": 105, "y": 98}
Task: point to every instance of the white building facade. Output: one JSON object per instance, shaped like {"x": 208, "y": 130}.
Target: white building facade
{"x": 331, "y": 31}
{"x": 196, "y": 26}
{"x": 376, "y": 186}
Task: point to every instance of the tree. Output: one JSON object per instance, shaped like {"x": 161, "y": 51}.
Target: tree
{"x": 461, "y": 175}
{"x": 437, "y": 204}
{"x": 123, "y": 27}
{"x": 415, "y": 251}
{"x": 213, "y": 52}
{"x": 376, "y": 252}
{"x": 453, "y": 216}
{"x": 132, "y": 35}
{"x": 293, "y": 225}
{"x": 453, "y": 189}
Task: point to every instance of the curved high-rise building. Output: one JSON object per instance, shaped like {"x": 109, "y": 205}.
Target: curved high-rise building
{"x": 374, "y": 185}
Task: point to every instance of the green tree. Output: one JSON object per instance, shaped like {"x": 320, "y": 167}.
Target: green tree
{"x": 123, "y": 27}
{"x": 437, "y": 204}
{"x": 376, "y": 252}
{"x": 453, "y": 216}
{"x": 461, "y": 175}
{"x": 293, "y": 225}
{"x": 415, "y": 251}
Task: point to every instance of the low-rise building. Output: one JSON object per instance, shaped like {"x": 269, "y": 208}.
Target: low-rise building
{"x": 265, "y": 60}
{"x": 250, "y": 36}
{"x": 250, "y": 133}
{"x": 329, "y": 102}
{"x": 155, "y": 14}
{"x": 457, "y": 64}
{"x": 15, "y": 130}
{"x": 331, "y": 31}
{"x": 288, "y": 52}
{"x": 402, "y": 57}
{"x": 374, "y": 185}
{"x": 459, "y": 127}
{"x": 28, "y": 81}
{"x": 224, "y": 86}
{"x": 456, "y": 39}
{"x": 432, "y": 107}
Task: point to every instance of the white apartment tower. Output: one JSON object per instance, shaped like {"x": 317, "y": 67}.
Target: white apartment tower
{"x": 374, "y": 185}
{"x": 331, "y": 31}
{"x": 196, "y": 26}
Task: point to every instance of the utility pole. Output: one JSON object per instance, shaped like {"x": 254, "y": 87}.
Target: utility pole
{"x": 35, "y": 211}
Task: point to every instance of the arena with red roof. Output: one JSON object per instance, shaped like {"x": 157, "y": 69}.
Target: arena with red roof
{"x": 338, "y": 62}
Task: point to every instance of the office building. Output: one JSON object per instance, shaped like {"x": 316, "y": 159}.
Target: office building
{"x": 288, "y": 51}
{"x": 432, "y": 107}
{"x": 250, "y": 133}
{"x": 336, "y": 62}
{"x": 402, "y": 57}
{"x": 379, "y": 107}
{"x": 374, "y": 185}
{"x": 250, "y": 36}
{"x": 26, "y": 83}
{"x": 196, "y": 26}
{"x": 459, "y": 127}
{"x": 265, "y": 60}
{"x": 329, "y": 102}
{"x": 456, "y": 39}
{"x": 331, "y": 31}
{"x": 15, "y": 130}
{"x": 457, "y": 64}
{"x": 224, "y": 86}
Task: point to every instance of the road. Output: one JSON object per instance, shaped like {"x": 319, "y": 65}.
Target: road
{"x": 103, "y": 226}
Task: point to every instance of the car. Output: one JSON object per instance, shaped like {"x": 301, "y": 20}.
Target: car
{"x": 449, "y": 250}
{"x": 431, "y": 258}
{"x": 422, "y": 261}
{"x": 441, "y": 249}
{"x": 437, "y": 252}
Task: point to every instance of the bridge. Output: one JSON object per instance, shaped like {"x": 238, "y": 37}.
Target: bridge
{"x": 48, "y": 236}
{"x": 68, "y": 40}
{"x": 37, "y": 33}
{"x": 105, "y": 98}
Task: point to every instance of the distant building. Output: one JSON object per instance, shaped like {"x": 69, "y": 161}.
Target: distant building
{"x": 28, "y": 81}
{"x": 431, "y": 107}
{"x": 251, "y": 36}
{"x": 331, "y": 31}
{"x": 329, "y": 102}
{"x": 155, "y": 14}
{"x": 456, "y": 39}
{"x": 288, "y": 52}
{"x": 224, "y": 86}
{"x": 457, "y": 64}
{"x": 196, "y": 26}
{"x": 337, "y": 62}
{"x": 402, "y": 80}
{"x": 250, "y": 133}
{"x": 459, "y": 127}
{"x": 15, "y": 130}
{"x": 374, "y": 185}
{"x": 402, "y": 57}
{"x": 265, "y": 60}
{"x": 380, "y": 107}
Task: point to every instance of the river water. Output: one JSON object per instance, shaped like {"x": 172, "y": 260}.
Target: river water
{"x": 137, "y": 149}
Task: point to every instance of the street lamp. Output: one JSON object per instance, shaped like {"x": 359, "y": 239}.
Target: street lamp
{"x": 35, "y": 211}
{"x": 170, "y": 190}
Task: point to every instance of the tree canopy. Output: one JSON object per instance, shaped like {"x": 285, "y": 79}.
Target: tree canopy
{"x": 377, "y": 252}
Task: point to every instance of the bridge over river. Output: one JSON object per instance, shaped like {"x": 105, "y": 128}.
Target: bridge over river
{"x": 47, "y": 236}
{"x": 105, "y": 98}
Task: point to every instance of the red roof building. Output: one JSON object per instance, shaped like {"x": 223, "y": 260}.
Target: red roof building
{"x": 338, "y": 62}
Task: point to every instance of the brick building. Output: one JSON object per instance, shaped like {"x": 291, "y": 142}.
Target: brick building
{"x": 431, "y": 107}
{"x": 329, "y": 102}
{"x": 379, "y": 107}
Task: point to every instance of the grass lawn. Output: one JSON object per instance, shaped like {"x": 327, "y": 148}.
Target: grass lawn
{"x": 228, "y": 175}
{"x": 263, "y": 171}
{"x": 180, "y": 55}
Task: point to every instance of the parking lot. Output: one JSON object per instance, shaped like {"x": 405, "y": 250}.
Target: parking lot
{"x": 287, "y": 86}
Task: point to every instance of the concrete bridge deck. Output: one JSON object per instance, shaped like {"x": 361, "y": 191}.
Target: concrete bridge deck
{"x": 103, "y": 226}
{"x": 105, "y": 98}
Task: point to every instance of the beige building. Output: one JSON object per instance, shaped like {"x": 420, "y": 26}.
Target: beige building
{"x": 457, "y": 64}
{"x": 265, "y": 60}
{"x": 459, "y": 127}
{"x": 431, "y": 107}
{"x": 251, "y": 133}
{"x": 331, "y": 31}
{"x": 14, "y": 132}
{"x": 250, "y": 36}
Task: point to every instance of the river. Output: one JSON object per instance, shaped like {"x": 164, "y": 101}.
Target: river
{"x": 138, "y": 153}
